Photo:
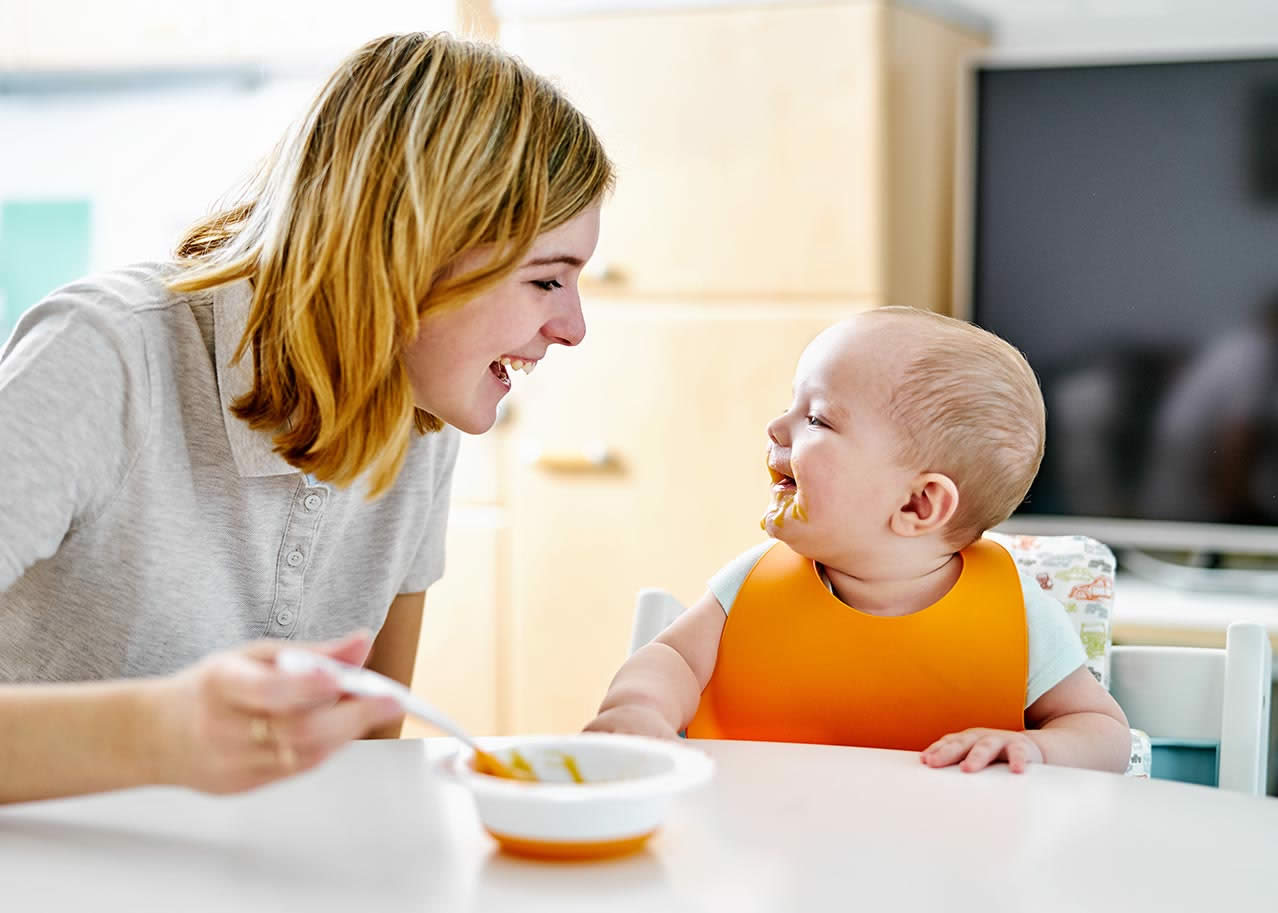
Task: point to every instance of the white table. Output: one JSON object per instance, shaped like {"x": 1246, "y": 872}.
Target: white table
{"x": 781, "y": 827}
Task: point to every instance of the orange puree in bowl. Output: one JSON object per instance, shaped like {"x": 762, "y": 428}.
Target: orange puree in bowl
{"x": 519, "y": 768}
{"x": 570, "y": 765}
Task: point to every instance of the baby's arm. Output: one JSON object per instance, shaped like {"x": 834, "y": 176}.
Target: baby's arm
{"x": 657, "y": 690}
{"x": 1078, "y": 724}
{"x": 1074, "y": 724}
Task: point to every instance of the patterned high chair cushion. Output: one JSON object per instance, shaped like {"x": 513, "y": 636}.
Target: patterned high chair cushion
{"x": 1078, "y": 572}
{"x": 1142, "y": 757}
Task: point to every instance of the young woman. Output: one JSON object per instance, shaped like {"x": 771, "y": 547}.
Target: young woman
{"x": 253, "y": 441}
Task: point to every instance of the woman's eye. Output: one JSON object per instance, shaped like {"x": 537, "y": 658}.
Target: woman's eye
{"x": 547, "y": 285}
{"x": 815, "y": 421}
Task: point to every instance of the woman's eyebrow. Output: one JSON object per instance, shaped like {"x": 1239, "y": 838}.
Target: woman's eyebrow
{"x": 555, "y": 259}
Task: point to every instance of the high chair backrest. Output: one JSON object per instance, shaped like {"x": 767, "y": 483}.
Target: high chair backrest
{"x": 654, "y": 611}
{"x": 1206, "y": 711}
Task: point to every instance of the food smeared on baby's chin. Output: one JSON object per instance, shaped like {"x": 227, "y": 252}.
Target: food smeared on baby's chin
{"x": 785, "y": 500}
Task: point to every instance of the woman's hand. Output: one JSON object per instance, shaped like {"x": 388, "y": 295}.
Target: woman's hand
{"x": 975, "y": 749}
{"x": 632, "y": 719}
{"x": 234, "y": 721}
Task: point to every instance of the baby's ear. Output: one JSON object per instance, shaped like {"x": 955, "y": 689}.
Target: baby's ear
{"x": 932, "y": 503}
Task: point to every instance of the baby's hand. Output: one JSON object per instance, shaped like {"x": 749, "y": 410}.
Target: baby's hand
{"x": 632, "y": 719}
{"x": 977, "y": 748}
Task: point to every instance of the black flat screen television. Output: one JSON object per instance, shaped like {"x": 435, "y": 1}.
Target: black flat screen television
{"x": 1119, "y": 224}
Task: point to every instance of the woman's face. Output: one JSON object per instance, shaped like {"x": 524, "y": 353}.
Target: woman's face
{"x": 462, "y": 359}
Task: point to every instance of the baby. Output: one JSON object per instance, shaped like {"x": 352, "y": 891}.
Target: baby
{"x": 878, "y": 615}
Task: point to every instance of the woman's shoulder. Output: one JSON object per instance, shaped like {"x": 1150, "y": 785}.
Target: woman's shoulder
{"x": 97, "y": 314}
{"x": 106, "y": 301}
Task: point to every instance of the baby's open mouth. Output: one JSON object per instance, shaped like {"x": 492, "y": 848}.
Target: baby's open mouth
{"x": 781, "y": 481}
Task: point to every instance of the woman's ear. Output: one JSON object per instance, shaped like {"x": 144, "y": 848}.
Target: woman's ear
{"x": 932, "y": 503}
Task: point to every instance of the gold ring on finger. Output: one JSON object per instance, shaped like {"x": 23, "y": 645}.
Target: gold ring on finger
{"x": 260, "y": 730}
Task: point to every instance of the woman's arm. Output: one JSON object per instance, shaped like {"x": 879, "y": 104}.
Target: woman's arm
{"x": 394, "y": 651}
{"x": 67, "y": 739}
{"x": 231, "y": 722}
{"x": 657, "y": 690}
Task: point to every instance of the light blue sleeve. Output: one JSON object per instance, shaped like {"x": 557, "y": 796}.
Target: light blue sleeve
{"x": 1055, "y": 649}
{"x": 727, "y": 582}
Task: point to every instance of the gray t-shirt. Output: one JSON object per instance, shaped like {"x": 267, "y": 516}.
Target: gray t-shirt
{"x": 142, "y": 525}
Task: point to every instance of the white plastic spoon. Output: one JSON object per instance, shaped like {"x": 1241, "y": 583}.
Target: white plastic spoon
{"x": 367, "y": 683}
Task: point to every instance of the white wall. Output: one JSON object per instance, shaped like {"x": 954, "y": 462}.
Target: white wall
{"x": 87, "y": 33}
{"x": 150, "y": 162}
{"x": 157, "y": 156}
{"x": 1131, "y": 26}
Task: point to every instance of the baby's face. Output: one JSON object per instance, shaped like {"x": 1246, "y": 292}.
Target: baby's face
{"x": 833, "y": 452}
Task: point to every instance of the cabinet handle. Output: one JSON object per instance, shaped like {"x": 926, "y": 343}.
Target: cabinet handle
{"x": 594, "y": 457}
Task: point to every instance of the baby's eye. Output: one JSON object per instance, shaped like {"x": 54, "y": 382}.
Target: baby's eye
{"x": 547, "y": 285}
{"x": 815, "y": 421}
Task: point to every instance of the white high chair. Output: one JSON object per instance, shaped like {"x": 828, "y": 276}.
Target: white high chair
{"x": 1206, "y": 710}
{"x": 1191, "y": 700}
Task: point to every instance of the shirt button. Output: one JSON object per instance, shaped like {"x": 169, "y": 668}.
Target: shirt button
{"x": 294, "y": 558}
{"x": 313, "y": 501}
{"x": 285, "y": 618}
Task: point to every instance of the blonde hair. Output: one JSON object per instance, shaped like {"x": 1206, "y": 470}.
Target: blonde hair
{"x": 968, "y": 405}
{"x": 418, "y": 149}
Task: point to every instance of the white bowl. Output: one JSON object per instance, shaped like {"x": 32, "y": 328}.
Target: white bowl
{"x": 630, "y": 783}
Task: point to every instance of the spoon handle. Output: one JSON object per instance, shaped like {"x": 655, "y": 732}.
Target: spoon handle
{"x": 367, "y": 683}
{"x": 428, "y": 712}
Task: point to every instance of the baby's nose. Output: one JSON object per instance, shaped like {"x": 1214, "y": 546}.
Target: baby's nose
{"x": 777, "y": 432}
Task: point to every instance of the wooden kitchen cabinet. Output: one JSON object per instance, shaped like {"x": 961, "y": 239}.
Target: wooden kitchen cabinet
{"x": 460, "y": 664}
{"x": 675, "y": 397}
{"x": 776, "y": 151}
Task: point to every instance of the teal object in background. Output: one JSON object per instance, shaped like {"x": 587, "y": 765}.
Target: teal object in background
{"x": 43, "y": 244}
{"x": 1187, "y": 762}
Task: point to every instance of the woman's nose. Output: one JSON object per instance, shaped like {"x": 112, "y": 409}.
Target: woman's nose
{"x": 568, "y": 325}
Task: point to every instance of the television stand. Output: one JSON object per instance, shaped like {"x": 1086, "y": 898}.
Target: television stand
{"x": 1202, "y": 574}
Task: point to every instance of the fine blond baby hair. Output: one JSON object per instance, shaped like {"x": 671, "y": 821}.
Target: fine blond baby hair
{"x": 967, "y": 404}
{"x": 419, "y": 148}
